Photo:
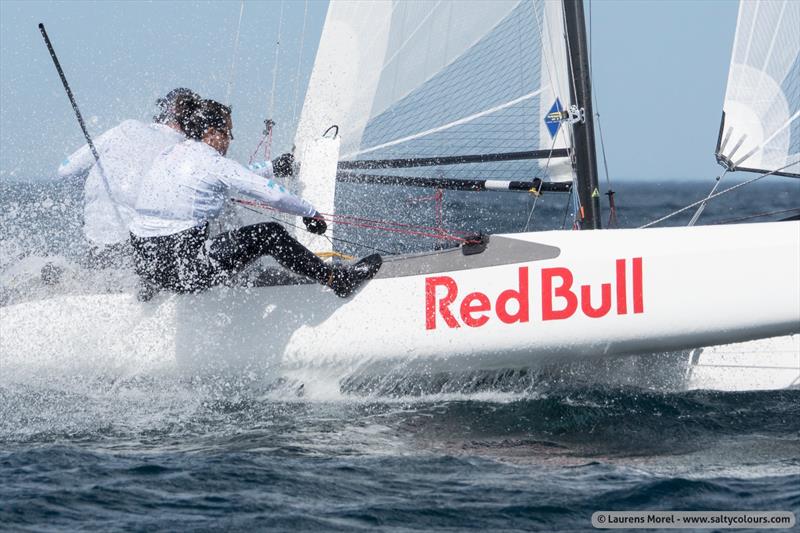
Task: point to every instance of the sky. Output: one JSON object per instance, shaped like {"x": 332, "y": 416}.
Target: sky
{"x": 659, "y": 72}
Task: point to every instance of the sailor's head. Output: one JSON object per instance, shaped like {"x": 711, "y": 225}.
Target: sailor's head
{"x": 176, "y": 106}
{"x": 211, "y": 123}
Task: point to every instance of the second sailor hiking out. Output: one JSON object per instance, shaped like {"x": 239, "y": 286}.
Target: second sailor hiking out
{"x": 187, "y": 187}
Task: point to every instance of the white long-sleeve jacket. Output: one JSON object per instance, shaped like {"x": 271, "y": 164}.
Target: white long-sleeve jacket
{"x": 188, "y": 185}
{"x": 126, "y": 153}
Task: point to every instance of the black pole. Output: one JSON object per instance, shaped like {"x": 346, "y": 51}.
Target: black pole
{"x": 69, "y": 91}
{"x": 452, "y": 159}
{"x": 455, "y": 184}
{"x": 581, "y": 93}
{"x": 80, "y": 118}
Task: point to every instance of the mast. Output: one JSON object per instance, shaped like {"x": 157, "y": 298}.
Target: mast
{"x": 581, "y": 93}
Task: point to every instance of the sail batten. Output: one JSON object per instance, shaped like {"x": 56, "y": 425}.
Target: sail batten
{"x": 417, "y": 80}
{"x": 447, "y": 126}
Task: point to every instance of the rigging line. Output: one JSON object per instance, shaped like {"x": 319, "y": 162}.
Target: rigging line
{"x": 759, "y": 215}
{"x": 577, "y": 206}
{"x": 337, "y": 218}
{"x": 447, "y": 126}
{"x": 299, "y": 63}
{"x": 436, "y": 235}
{"x": 569, "y": 58}
{"x": 388, "y": 225}
{"x": 591, "y": 74}
{"x": 576, "y": 199}
{"x": 566, "y": 209}
{"x": 330, "y": 239}
{"x": 705, "y": 202}
{"x": 602, "y": 145}
{"x": 711, "y": 197}
{"x": 520, "y": 33}
{"x": 612, "y": 208}
{"x": 367, "y": 246}
{"x": 536, "y": 196}
{"x": 530, "y": 214}
{"x": 229, "y": 91}
{"x": 275, "y": 66}
{"x": 612, "y": 215}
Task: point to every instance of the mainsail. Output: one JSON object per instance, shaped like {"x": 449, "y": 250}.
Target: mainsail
{"x": 760, "y": 130}
{"x": 449, "y": 89}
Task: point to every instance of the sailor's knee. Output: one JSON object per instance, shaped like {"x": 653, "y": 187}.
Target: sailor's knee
{"x": 273, "y": 228}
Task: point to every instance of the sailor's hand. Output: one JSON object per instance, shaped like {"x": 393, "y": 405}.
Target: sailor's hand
{"x": 283, "y": 165}
{"x": 315, "y": 224}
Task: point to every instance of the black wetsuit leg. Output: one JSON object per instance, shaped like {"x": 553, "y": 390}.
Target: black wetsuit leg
{"x": 234, "y": 250}
{"x": 176, "y": 262}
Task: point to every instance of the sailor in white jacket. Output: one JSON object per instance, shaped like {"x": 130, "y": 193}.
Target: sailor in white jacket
{"x": 126, "y": 153}
{"x": 187, "y": 187}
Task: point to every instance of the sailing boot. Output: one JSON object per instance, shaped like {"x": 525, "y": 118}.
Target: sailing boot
{"x": 345, "y": 279}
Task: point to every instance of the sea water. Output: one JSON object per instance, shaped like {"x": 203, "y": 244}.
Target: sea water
{"x": 515, "y": 453}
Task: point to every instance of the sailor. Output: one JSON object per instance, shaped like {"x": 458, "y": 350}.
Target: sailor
{"x": 187, "y": 187}
{"x": 281, "y": 167}
{"x": 126, "y": 153}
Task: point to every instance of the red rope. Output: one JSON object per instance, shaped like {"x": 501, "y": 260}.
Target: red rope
{"x": 267, "y": 136}
{"x": 250, "y": 161}
{"x": 345, "y": 219}
{"x": 381, "y": 225}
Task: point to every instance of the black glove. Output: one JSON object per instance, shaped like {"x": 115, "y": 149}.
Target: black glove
{"x": 315, "y": 224}
{"x": 283, "y": 165}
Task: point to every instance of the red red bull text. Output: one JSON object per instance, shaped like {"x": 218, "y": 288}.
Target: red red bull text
{"x": 560, "y": 298}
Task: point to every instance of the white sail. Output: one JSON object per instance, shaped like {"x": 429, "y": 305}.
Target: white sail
{"x": 761, "y": 121}
{"x": 431, "y": 79}
{"x": 555, "y": 80}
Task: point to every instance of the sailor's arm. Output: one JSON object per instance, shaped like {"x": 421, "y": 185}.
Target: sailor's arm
{"x": 255, "y": 187}
{"x": 77, "y": 163}
{"x": 262, "y": 168}
{"x": 83, "y": 159}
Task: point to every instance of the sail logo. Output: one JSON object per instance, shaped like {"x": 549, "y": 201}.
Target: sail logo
{"x": 561, "y": 298}
{"x": 553, "y": 118}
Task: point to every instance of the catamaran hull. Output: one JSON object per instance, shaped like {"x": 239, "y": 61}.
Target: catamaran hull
{"x": 527, "y": 299}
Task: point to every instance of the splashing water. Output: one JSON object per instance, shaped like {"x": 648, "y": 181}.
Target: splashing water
{"x": 125, "y": 437}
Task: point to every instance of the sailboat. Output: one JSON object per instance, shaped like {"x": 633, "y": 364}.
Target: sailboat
{"x": 435, "y": 94}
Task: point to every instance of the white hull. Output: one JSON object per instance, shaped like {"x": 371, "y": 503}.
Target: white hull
{"x": 657, "y": 290}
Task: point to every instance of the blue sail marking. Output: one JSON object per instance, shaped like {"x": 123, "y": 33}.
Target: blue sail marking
{"x": 553, "y": 118}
